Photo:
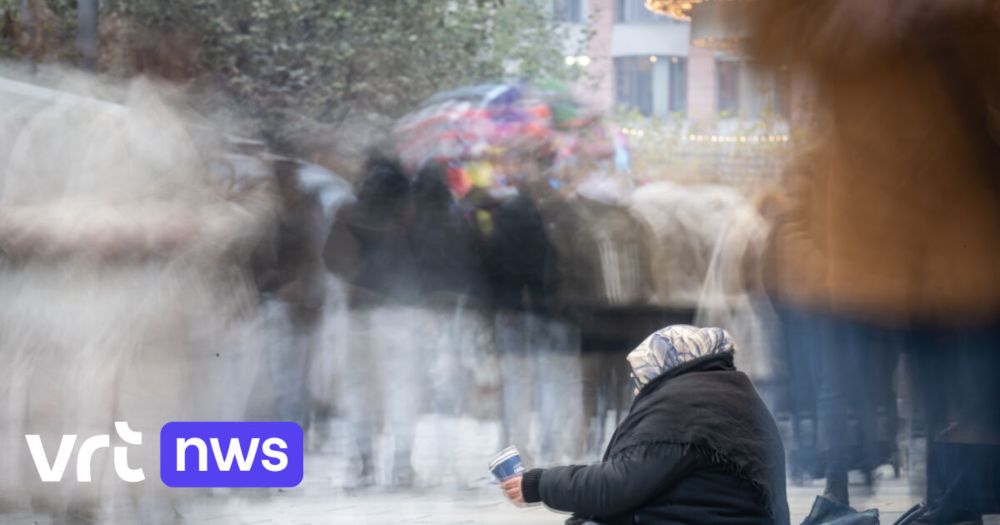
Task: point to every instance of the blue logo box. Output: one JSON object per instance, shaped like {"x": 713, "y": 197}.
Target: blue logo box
{"x": 231, "y": 454}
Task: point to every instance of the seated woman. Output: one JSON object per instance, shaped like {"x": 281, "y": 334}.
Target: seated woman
{"x": 698, "y": 445}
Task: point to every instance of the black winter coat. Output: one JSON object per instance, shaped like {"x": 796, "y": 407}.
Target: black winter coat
{"x": 698, "y": 447}
{"x": 519, "y": 257}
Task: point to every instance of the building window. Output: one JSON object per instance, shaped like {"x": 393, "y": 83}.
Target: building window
{"x": 728, "y": 83}
{"x": 653, "y": 85}
{"x": 748, "y": 91}
{"x": 634, "y": 84}
{"x": 570, "y": 11}
{"x": 635, "y": 12}
{"x": 678, "y": 85}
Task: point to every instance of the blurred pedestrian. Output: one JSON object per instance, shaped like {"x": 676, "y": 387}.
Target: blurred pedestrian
{"x": 893, "y": 219}
{"x": 539, "y": 351}
{"x": 380, "y": 387}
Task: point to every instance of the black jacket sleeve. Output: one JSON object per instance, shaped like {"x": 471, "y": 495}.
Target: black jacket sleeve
{"x": 619, "y": 485}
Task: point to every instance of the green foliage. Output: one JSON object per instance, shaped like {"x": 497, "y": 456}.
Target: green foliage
{"x": 302, "y": 63}
{"x": 8, "y": 27}
{"x": 53, "y": 28}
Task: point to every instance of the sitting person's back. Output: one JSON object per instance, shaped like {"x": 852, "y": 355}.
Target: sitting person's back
{"x": 698, "y": 445}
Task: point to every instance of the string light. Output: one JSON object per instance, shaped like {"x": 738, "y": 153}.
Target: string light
{"x": 738, "y": 138}
{"x": 633, "y": 132}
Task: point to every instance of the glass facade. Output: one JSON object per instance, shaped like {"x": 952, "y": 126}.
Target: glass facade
{"x": 653, "y": 85}
{"x": 571, "y": 11}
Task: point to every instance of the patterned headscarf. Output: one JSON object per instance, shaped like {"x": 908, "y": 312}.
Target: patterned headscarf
{"x": 674, "y": 345}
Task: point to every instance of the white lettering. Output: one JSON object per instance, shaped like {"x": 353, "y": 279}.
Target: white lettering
{"x": 279, "y": 460}
{"x": 235, "y": 451}
{"x": 131, "y": 437}
{"x": 86, "y": 454}
{"x": 55, "y": 472}
{"x": 182, "y": 446}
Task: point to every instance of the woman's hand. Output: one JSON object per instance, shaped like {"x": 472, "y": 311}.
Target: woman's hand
{"x": 512, "y": 489}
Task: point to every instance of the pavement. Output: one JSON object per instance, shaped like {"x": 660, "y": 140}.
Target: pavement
{"x": 482, "y": 505}
{"x": 454, "y": 488}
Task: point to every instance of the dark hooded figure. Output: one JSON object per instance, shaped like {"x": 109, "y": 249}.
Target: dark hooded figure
{"x": 443, "y": 242}
{"x": 406, "y": 240}
{"x": 698, "y": 445}
{"x": 379, "y": 223}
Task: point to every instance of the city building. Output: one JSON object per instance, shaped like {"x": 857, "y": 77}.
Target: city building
{"x": 641, "y": 61}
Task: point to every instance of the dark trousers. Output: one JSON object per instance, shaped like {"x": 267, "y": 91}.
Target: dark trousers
{"x": 840, "y": 380}
{"x": 848, "y": 399}
{"x": 846, "y": 365}
{"x": 802, "y": 350}
{"x": 956, "y": 375}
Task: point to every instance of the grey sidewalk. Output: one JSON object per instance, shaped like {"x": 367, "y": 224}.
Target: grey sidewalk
{"x": 312, "y": 505}
{"x": 452, "y": 454}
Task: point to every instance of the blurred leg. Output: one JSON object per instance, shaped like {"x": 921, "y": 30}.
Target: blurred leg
{"x": 562, "y": 432}
{"x": 832, "y": 409}
{"x": 356, "y": 399}
{"x": 333, "y": 331}
{"x": 401, "y": 364}
{"x": 287, "y": 362}
{"x": 594, "y": 400}
{"x": 802, "y": 353}
{"x": 862, "y": 348}
{"x": 517, "y": 372}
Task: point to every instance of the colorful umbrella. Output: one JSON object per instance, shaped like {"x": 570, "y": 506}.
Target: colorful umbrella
{"x": 467, "y": 126}
{"x": 469, "y": 123}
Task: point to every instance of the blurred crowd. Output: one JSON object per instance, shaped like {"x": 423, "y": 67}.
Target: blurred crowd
{"x": 156, "y": 269}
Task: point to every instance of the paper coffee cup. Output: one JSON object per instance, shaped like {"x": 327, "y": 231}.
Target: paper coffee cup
{"x": 507, "y": 464}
